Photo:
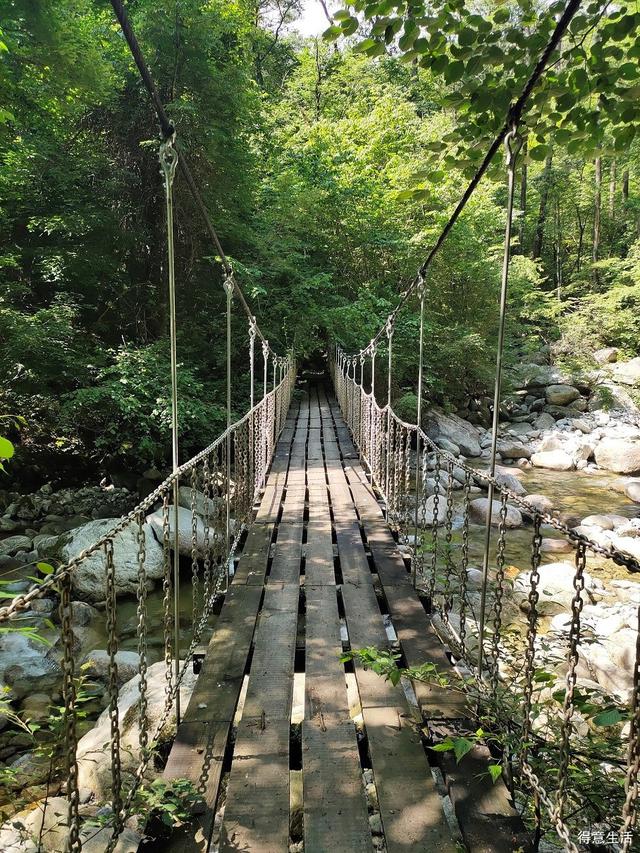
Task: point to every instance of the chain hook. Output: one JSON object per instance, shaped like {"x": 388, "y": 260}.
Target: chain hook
{"x": 513, "y": 143}
{"x": 168, "y": 156}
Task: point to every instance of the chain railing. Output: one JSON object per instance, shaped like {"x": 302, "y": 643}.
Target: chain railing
{"x": 427, "y": 497}
{"x": 220, "y": 488}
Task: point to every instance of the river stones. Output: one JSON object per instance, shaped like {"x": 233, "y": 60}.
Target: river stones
{"x": 556, "y": 460}
{"x": 454, "y": 429}
{"x": 479, "y": 508}
{"x": 560, "y": 395}
{"x": 621, "y": 455}
{"x": 88, "y": 578}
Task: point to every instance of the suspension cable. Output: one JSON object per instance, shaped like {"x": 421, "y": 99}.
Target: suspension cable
{"x": 167, "y": 130}
{"x": 513, "y": 118}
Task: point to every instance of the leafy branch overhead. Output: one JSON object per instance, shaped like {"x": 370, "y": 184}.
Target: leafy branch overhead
{"x": 588, "y": 100}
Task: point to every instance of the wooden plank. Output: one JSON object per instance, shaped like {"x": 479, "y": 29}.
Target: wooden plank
{"x": 412, "y": 814}
{"x": 202, "y": 736}
{"x": 485, "y": 812}
{"x": 256, "y": 817}
{"x": 335, "y": 810}
{"x": 410, "y": 806}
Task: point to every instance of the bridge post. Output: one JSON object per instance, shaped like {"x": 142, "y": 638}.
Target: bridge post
{"x": 228, "y": 287}
{"x": 389, "y": 331}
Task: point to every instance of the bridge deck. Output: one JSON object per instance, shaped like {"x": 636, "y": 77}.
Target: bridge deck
{"x": 319, "y": 570}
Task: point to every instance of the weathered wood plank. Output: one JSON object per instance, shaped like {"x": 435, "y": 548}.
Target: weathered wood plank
{"x": 256, "y": 817}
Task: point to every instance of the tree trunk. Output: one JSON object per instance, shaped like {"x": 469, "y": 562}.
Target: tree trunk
{"x": 597, "y": 203}
{"x": 523, "y": 199}
{"x": 538, "y": 237}
{"x": 625, "y": 185}
{"x": 612, "y": 189}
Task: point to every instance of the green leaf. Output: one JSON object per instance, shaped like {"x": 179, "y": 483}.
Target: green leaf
{"x": 608, "y": 718}
{"x": 454, "y": 71}
{"x": 501, "y": 16}
{"x": 6, "y": 448}
{"x": 332, "y": 33}
{"x": 495, "y": 771}
{"x": 461, "y": 746}
{"x": 45, "y": 568}
{"x": 341, "y": 15}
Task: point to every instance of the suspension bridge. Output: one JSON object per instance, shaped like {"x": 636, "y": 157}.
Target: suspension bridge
{"x": 321, "y": 529}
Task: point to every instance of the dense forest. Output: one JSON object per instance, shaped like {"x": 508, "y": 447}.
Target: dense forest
{"x": 329, "y": 166}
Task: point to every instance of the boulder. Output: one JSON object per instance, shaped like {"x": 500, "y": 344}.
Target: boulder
{"x": 94, "y": 773}
{"x": 42, "y": 828}
{"x": 555, "y": 588}
{"x": 479, "y": 507}
{"x": 184, "y": 530}
{"x": 27, "y": 665}
{"x": 447, "y": 445}
{"x": 545, "y": 421}
{"x": 510, "y": 481}
{"x": 606, "y": 355}
{"x": 88, "y": 578}
{"x": 556, "y": 460}
{"x": 442, "y": 510}
{"x": 541, "y": 503}
{"x": 632, "y": 491}
{"x": 582, "y": 425}
{"x": 453, "y": 429}
{"x": 12, "y": 544}
{"x": 621, "y": 455}
{"x": 537, "y": 376}
{"x": 511, "y": 449}
{"x": 627, "y": 372}
{"x": 561, "y": 395}
{"x": 556, "y": 546}
{"x": 604, "y": 522}
{"x": 204, "y": 505}
{"x": 96, "y": 665}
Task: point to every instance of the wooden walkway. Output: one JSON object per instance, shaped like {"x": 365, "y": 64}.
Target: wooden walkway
{"x": 319, "y": 572}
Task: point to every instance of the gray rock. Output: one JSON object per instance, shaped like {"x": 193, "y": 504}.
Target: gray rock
{"x": 83, "y": 615}
{"x": 512, "y": 449}
{"x": 561, "y": 395}
{"x": 545, "y": 421}
{"x": 88, "y": 578}
{"x": 627, "y": 372}
{"x": 96, "y": 665}
{"x": 579, "y": 405}
{"x": 479, "y": 507}
{"x": 447, "y": 445}
{"x": 13, "y": 544}
{"x": 203, "y": 504}
{"x": 94, "y": 773}
{"x": 607, "y": 355}
{"x": 510, "y": 481}
{"x": 582, "y": 425}
{"x": 632, "y": 490}
{"x": 541, "y": 503}
{"x": 621, "y": 455}
{"x": 7, "y": 525}
{"x": 184, "y": 529}
{"x": 454, "y": 429}
{"x": 556, "y": 460}
{"x": 604, "y": 522}
{"x": 555, "y": 587}
{"x": 556, "y": 546}
{"x": 27, "y": 665}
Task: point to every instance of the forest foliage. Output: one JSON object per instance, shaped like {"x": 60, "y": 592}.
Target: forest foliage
{"x": 329, "y": 166}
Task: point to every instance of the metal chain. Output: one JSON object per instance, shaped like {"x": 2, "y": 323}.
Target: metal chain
{"x": 195, "y": 554}
{"x": 167, "y": 621}
{"x": 448, "y": 526}
{"x": 73, "y": 843}
{"x": 629, "y": 811}
{"x": 143, "y": 721}
{"x": 464, "y": 563}
{"x": 533, "y": 598}
{"x": 577, "y": 604}
{"x": 498, "y": 594}
{"x": 434, "y": 529}
{"x": 113, "y": 688}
